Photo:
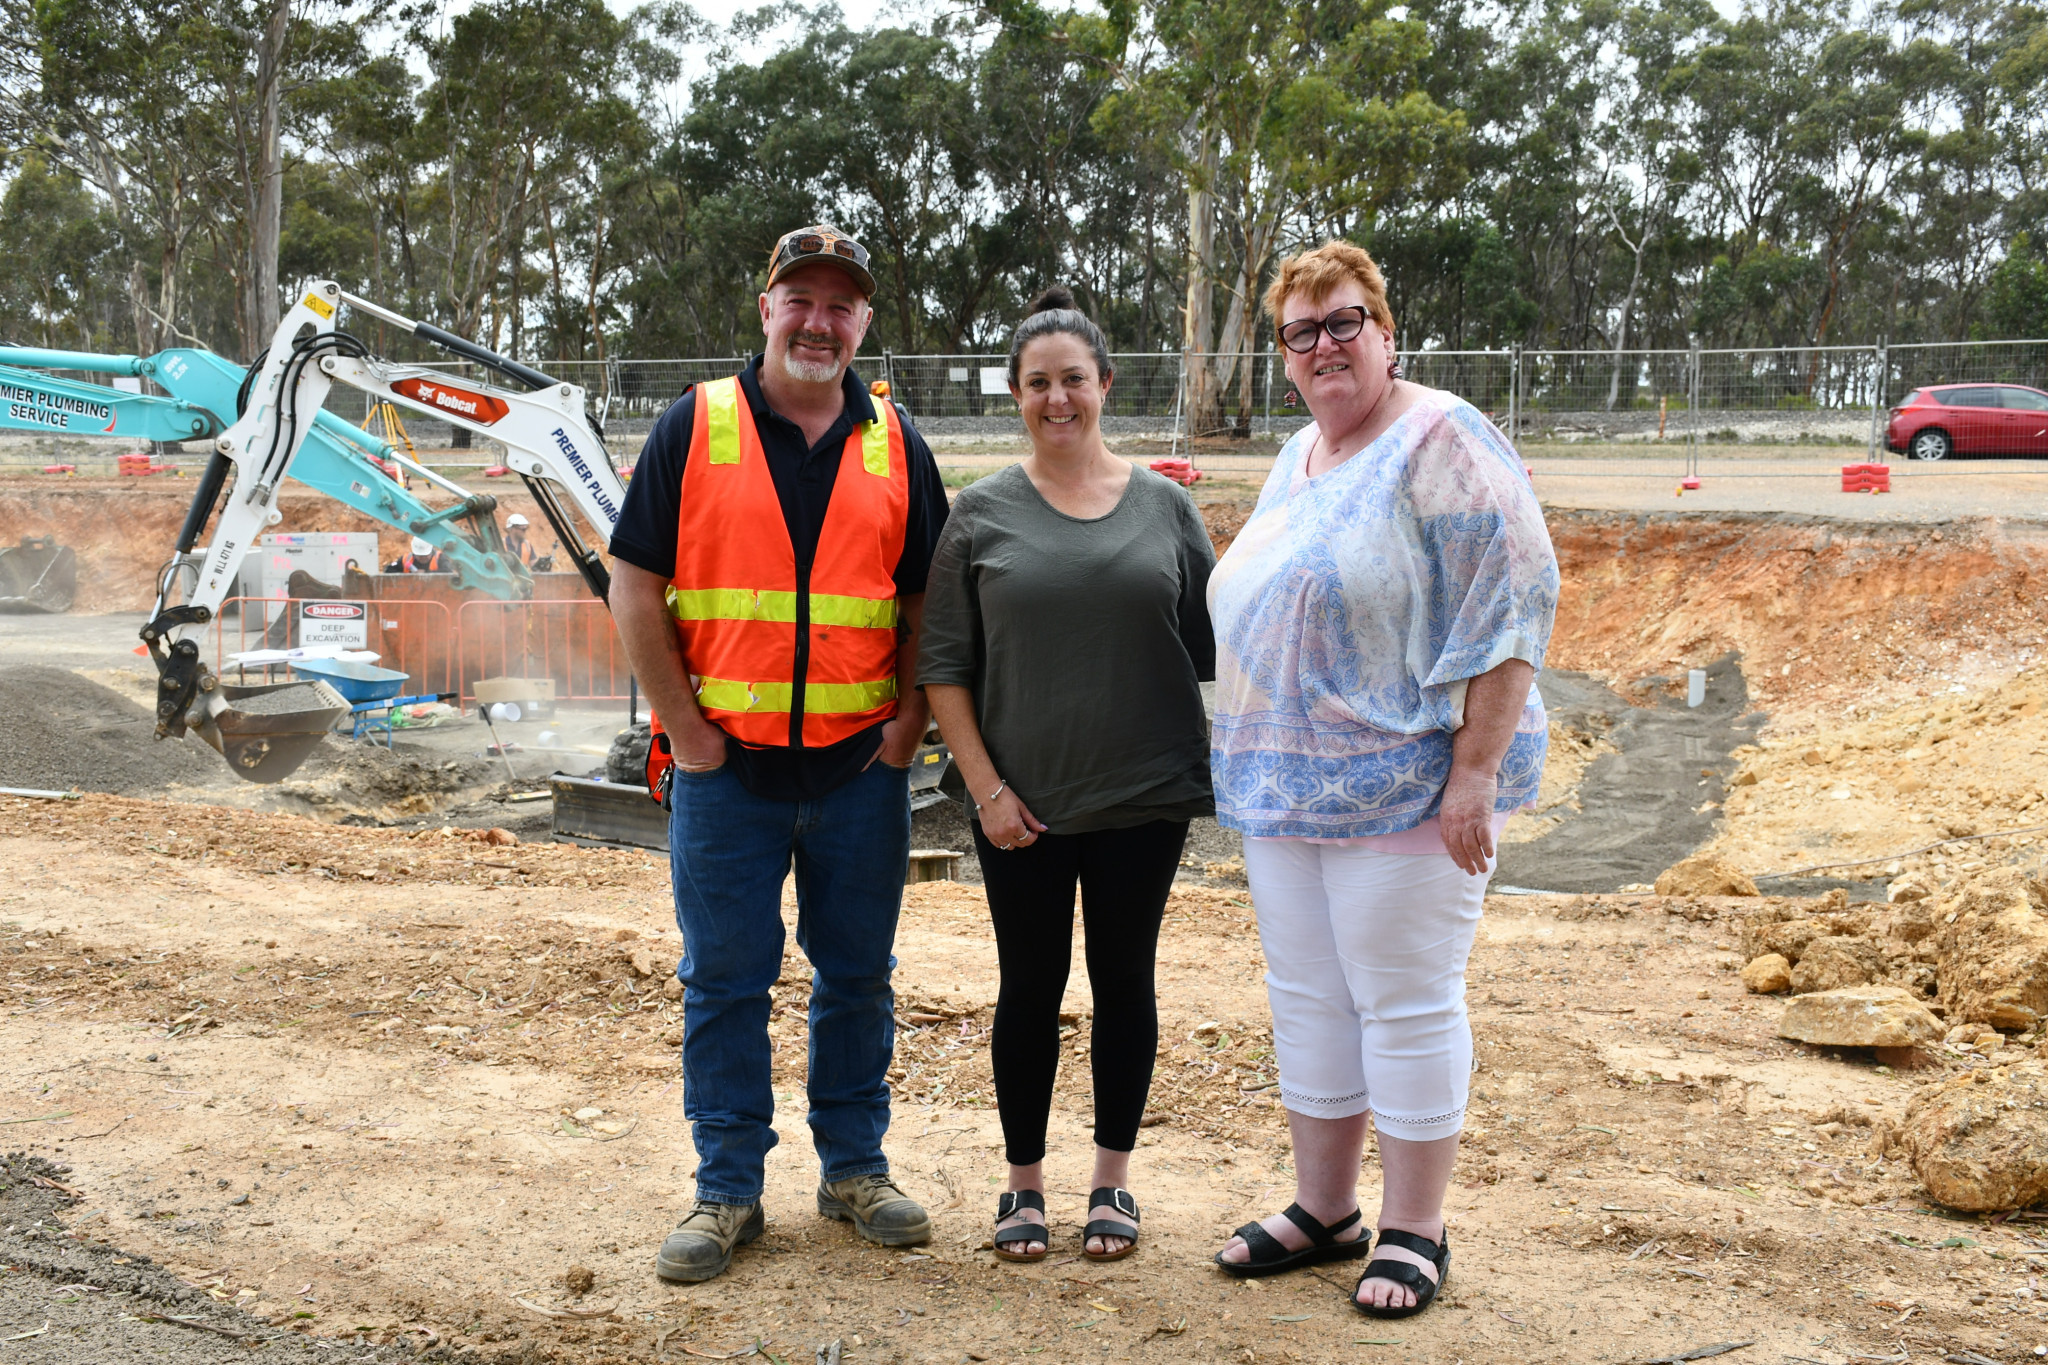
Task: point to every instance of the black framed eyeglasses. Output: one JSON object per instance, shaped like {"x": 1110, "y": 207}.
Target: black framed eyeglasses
{"x": 1343, "y": 324}
{"x": 819, "y": 243}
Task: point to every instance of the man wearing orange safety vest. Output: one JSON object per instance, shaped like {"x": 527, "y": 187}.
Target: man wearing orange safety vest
{"x": 769, "y": 571}
{"x": 516, "y": 542}
{"x": 423, "y": 559}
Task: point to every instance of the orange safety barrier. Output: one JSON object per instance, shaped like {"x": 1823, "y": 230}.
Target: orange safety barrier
{"x": 414, "y": 636}
{"x": 569, "y": 640}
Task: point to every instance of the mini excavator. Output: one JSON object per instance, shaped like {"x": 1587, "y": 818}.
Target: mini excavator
{"x": 266, "y": 731}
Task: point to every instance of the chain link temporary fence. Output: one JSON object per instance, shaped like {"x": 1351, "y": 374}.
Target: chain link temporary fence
{"x": 1707, "y": 412}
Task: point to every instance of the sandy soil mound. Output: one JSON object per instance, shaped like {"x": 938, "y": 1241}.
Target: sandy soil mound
{"x": 1903, "y": 778}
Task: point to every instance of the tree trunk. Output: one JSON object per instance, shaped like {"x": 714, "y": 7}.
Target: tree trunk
{"x": 260, "y": 302}
{"x": 1199, "y": 317}
{"x": 1145, "y": 294}
{"x": 115, "y": 185}
{"x": 1628, "y": 301}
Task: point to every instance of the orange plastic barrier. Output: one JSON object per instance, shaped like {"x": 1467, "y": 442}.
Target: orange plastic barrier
{"x": 570, "y": 640}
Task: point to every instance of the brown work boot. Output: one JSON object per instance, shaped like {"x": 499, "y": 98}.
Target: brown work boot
{"x": 877, "y": 1209}
{"x": 701, "y": 1247}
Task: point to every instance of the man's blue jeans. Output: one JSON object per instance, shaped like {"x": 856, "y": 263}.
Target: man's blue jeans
{"x": 729, "y": 851}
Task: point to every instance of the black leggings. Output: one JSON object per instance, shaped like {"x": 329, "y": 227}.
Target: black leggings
{"x": 1125, "y": 875}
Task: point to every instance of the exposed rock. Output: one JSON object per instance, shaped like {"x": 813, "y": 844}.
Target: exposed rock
{"x": 1704, "y": 874}
{"x": 1980, "y": 1141}
{"x": 1829, "y": 964}
{"x": 1787, "y": 938}
{"x": 1860, "y": 1016}
{"x": 1992, "y": 935}
{"x": 1907, "y": 889}
{"x": 1768, "y": 974}
{"x": 1908, "y": 921}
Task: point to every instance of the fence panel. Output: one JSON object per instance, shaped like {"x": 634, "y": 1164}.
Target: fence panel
{"x": 415, "y": 636}
{"x": 570, "y": 640}
{"x": 1727, "y": 412}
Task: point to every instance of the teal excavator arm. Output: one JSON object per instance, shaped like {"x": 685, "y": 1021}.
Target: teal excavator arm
{"x": 337, "y": 459}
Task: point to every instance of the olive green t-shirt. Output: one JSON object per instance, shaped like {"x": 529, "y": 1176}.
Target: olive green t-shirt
{"x": 1084, "y": 642}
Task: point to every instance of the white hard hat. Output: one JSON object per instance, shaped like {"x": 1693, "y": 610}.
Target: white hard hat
{"x": 422, "y": 547}
{"x": 515, "y": 520}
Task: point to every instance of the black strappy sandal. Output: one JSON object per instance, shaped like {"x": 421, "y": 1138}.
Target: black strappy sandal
{"x": 1269, "y": 1256}
{"x": 1017, "y": 1233}
{"x": 1121, "y": 1201}
{"x": 1407, "y": 1273}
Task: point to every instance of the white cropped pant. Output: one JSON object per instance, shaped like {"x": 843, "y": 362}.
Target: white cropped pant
{"x": 1365, "y": 970}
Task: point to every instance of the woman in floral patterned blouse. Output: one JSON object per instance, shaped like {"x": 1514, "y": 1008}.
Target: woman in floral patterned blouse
{"x": 1379, "y": 624}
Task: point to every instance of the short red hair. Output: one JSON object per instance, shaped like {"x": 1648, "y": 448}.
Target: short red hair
{"x": 1320, "y": 272}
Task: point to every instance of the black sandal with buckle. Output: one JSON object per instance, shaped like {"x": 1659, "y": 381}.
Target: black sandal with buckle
{"x": 1407, "y": 1273}
{"x": 1016, "y": 1234}
{"x": 1121, "y": 1201}
{"x": 1270, "y": 1256}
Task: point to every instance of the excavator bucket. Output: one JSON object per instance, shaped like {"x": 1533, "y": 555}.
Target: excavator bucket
{"x": 38, "y": 575}
{"x": 265, "y": 732}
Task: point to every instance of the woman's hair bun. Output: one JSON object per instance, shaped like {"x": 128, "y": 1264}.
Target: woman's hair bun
{"x": 1054, "y": 311}
{"x": 1059, "y": 296}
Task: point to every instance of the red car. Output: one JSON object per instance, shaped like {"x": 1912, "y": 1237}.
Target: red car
{"x": 1969, "y": 419}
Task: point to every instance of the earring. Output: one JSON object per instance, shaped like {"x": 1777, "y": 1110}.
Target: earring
{"x": 1394, "y": 370}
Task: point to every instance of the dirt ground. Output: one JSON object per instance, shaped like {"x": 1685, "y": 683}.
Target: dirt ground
{"x": 356, "y": 1082}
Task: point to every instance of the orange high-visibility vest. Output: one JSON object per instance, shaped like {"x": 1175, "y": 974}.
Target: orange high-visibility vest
{"x": 750, "y": 630}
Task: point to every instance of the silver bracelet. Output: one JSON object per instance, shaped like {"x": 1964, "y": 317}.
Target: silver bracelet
{"x": 1000, "y": 784}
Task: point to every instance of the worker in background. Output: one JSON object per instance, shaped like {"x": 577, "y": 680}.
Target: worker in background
{"x": 423, "y": 559}
{"x": 516, "y": 543}
{"x": 768, "y": 580}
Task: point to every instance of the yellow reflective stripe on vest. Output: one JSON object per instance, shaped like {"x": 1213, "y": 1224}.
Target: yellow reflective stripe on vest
{"x": 721, "y": 398}
{"x": 868, "y": 613}
{"x": 747, "y": 604}
{"x": 722, "y": 694}
{"x": 730, "y": 604}
{"x": 874, "y": 442}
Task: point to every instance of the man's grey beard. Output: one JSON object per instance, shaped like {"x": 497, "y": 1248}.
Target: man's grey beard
{"x": 810, "y": 371}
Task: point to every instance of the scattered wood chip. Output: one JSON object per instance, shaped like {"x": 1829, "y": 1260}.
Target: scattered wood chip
{"x": 546, "y": 1312}
{"x": 755, "y": 1349}
{"x": 1719, "y": 1348}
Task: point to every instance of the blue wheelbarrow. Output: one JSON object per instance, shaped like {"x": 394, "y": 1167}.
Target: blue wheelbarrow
{"x": 370, "y": 691}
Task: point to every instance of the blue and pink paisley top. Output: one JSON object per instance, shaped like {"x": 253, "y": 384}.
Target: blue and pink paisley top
{"x": 1350, "y": 612}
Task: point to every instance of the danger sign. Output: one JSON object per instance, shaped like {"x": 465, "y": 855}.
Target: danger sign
{"x": 335, "y": 623}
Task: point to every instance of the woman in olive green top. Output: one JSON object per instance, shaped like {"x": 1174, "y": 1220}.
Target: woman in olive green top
{"x": 1065, "y": 640}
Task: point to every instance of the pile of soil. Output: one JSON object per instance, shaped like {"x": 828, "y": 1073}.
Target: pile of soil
{"x": 62, "y": 732}
{"x": 370, "y": 777}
